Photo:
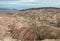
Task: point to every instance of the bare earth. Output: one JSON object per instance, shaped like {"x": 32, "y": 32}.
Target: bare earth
{"x": 30, "y": 25}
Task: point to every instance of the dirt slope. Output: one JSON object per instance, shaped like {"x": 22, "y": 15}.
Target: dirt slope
{"x": 44, "y": 22}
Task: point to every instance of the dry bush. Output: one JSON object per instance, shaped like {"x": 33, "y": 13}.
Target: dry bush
{"x": 40, "y": 18}
{"x": 24, "y": 34}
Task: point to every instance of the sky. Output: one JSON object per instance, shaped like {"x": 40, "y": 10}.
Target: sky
{"x": 25, "y": 4}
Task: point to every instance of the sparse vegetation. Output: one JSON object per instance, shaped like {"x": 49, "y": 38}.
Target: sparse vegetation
{"x": 45, "y": 24}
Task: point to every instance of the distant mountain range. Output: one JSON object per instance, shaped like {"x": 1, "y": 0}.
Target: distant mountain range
{"x": 41, "y": 8}
{"x": 4, "y": 9}
{"x": 31, "y": 8}
{"x": 7, "y": 9}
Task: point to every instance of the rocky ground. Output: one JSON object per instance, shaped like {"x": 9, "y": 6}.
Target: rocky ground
{"x": 30, "y": 25}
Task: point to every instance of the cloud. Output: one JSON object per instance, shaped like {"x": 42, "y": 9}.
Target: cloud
{"x": 29, "y": 3}
{"x": 27, "y": 0}
{"x": 23, "y": 2}
{"x": 8, "y": 0}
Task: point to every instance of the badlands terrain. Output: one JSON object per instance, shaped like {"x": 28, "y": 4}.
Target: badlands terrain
{"x": 33, "y": 24}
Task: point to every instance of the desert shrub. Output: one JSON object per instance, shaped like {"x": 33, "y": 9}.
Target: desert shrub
{"x": 35, "y": 25}
{"x": 9, "y": 13}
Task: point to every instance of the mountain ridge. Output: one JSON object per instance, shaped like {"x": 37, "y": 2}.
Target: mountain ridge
{"x": 31, "y": 8}
{"x": 41, "y": 8}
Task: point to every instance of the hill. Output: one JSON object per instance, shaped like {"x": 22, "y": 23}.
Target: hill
{"x": 30, "y": 24}
{"x": 41, "y": 8}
